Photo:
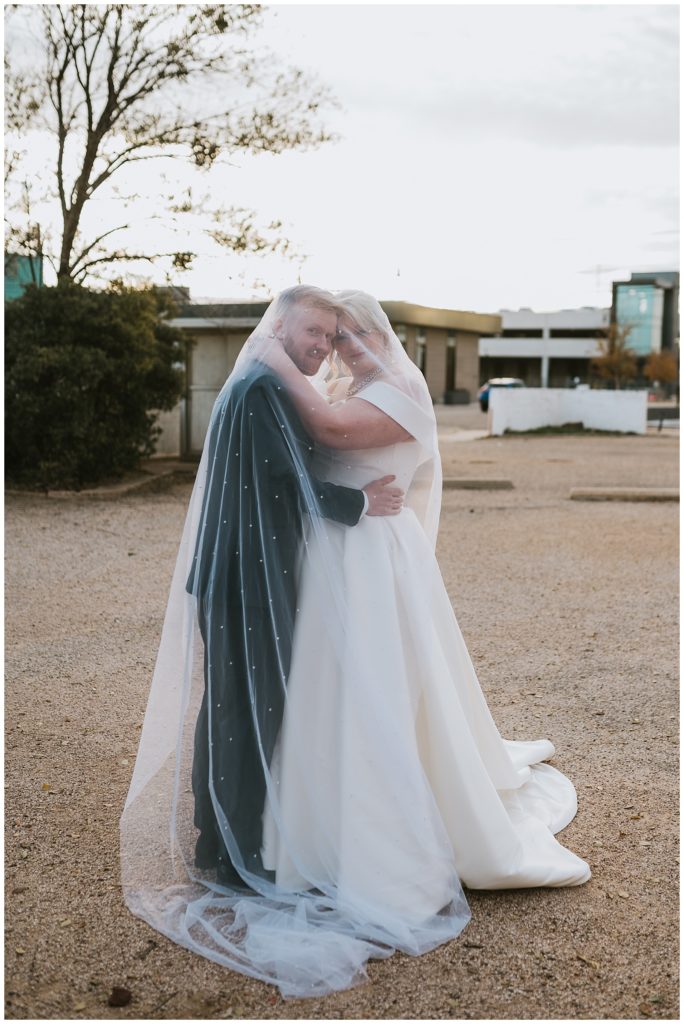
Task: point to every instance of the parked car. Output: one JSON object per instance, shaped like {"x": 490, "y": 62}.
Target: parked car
{"x": 497, "y": 382}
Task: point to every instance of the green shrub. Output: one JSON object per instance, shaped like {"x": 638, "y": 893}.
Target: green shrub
{"x": 83, "y": 370}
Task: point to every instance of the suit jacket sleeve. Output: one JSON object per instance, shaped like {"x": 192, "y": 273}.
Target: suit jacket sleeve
{"x": 277, "y": 428}
{"x": 343, "y": 504}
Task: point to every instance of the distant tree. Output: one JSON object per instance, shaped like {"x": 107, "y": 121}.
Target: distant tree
{"x": 121, "y": 83}
{"x": 23, "y": 236}
{"x": 661, "y": 367}
{"x": 616, "y": 361}
{"x": 83, "y": 370}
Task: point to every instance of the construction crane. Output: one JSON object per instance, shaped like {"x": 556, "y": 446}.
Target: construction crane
{"x": 599, "y": 270}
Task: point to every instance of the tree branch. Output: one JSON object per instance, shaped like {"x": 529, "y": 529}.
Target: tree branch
{"x": 84, "y": 252}
{"x": 110, "y": 72}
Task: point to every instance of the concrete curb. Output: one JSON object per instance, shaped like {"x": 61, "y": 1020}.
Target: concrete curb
{"x": 476, "y": 484}
{"x": 157, "y": 481}
{"x": 624, "y": 494}
{"x": 462, "y": 435}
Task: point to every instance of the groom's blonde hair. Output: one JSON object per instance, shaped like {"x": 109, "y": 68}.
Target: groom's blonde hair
{"x": 304, "y": 294}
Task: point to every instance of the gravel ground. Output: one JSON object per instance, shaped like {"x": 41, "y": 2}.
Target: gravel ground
{"x": 570, "y": 613}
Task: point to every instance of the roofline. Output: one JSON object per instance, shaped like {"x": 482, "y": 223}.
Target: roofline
{"x": 411, "y": 313}
{"x": 398, "y": 312}
{"x": 212, "y": 322}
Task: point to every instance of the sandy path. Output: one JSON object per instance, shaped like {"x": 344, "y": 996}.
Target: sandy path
{"x": 570, "y": 612}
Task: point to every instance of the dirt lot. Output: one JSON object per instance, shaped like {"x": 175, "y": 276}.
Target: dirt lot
{"x": 570, "y": 613}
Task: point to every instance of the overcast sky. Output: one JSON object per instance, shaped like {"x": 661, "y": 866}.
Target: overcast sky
{"x": 491, "y": 156}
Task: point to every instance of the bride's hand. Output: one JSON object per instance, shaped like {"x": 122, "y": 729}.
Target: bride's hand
{"x": 269, "y": 350}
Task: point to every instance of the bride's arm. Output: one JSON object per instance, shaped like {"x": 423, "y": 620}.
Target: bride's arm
{"x": 350, "y": 424}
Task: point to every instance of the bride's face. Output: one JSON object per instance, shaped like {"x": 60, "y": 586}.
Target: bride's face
{"x": 358, "y": 349}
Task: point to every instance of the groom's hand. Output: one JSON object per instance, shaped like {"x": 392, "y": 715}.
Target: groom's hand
{"x": 384, "y": 500}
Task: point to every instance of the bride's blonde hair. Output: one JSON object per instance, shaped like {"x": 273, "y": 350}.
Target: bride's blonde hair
{"x": 367, "y": 314}
{"x": 365, "y": 311}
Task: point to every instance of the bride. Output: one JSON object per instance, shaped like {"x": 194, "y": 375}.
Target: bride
{"x": 498, "y": 806}
{"x": 389, "y": 786}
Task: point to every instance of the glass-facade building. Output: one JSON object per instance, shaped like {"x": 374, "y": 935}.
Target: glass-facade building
{"x": 641, "y": 306}
{"x": 20, "y": 271}
{"x": 649, "y": 303}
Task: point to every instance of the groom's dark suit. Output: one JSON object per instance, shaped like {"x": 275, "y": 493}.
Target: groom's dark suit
{"x": 259, "y": 492}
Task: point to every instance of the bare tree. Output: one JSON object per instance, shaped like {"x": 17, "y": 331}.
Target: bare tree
{"x": 616, "y": 361}
{"x": 23, "y": 236}
{"x": 118, "y": 86}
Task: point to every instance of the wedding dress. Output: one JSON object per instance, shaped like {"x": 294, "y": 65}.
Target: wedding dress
{"x": 432, "y": 772}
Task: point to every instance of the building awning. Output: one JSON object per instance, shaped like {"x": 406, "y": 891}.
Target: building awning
{"x": 245, "y": 315}
{"x": 453, "y": 319}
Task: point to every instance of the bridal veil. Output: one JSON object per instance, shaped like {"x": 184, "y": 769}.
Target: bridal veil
{"x": 194, "y": 855}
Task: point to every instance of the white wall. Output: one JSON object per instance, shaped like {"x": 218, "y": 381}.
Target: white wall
{"x": 171, "y": 423}
{"x": 537, "y": 348}
{"x": 529, "y": 408}
{"x": 201, "y": 404}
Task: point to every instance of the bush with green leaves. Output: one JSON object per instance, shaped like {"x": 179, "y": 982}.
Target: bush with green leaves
{"x": 83, "y": 371}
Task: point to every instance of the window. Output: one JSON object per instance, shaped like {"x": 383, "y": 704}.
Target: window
{"x": 575, "y": 332}
{"x": 451, "y": 362}
{"x": 420, "y": 350}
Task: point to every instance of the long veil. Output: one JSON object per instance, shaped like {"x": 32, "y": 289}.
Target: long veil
{"x": 204, "y": 801}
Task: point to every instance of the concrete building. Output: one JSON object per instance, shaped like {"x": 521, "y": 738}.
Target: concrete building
{"x": 442, "y": 342}
{"x": 547, "y": 350}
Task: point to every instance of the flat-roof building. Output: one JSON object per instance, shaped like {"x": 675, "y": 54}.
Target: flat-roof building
{"x": 442, "y": 342}
{"x": 546, "y": 349}
{"x": 649, "y": 304}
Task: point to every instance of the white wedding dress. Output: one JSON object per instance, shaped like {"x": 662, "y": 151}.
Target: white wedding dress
{"x": 390, "y": 771}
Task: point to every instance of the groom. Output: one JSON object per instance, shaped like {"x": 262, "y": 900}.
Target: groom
{"x": 244, "y": 578}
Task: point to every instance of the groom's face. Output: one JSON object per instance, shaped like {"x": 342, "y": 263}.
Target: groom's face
{"x": 307, "y": 334}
